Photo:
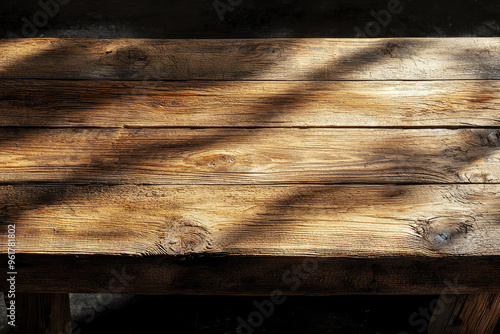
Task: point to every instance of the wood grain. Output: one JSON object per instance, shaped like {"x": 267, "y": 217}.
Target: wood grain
{"x": 249, "y": 156}
{"x": 463, "y": 314}
{"x": 328, "y": 221}
{"x": 221, "y": 163}
{"x": 56, "y": 103}
{"x": 252, "y": 59}
{"x": 256, "y": 275}
{"x": 42, "y": 313}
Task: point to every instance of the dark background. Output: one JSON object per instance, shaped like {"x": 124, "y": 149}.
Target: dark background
{"x": 248, "y": 19}
{"x": 285, "y": 18}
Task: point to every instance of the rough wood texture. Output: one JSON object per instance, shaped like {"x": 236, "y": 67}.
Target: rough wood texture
{"x": 42, "y": 313}
{"x": 217, "y": 183}
{"x": 249, "y": 104}
{"x": 257, "y": 59}
{"x": 257, "y": 275}
{"x": 325, "y": 221}
{"x": 465, "y": 314}
{"x": 250, "y": 156}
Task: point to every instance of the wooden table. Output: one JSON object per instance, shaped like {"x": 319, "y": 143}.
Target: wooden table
{"x": 294, "y": 166}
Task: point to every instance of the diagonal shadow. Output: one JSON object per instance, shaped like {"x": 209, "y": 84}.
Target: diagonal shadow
{"x": 13, "y": 211}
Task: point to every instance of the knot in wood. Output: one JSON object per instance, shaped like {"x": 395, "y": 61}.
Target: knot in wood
{"x": 187, "y": 237}
{"x": 493, "y": 138}
{"x": 222, "y": 159}
{"x": 132, "y": 57}
{"x": 483, "y": 137}
{"x": 215, "y": 160}
{"x": 445, "y": 231}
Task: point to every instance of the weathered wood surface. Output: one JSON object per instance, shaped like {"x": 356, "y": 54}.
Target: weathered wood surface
{"x": 311, "y": 220}
{"x": 258, "y": 275}
{"x": 250, "y": 156}
{"x": 255, "y": 59}
{"x": 42, "y": 313}
{"x": 208, "y": 181}
{"x": 464, "y": 314}
{"x": 57, "y": 103}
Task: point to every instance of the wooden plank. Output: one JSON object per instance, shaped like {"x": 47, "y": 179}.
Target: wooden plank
{"x": 463, "y": 314}
{"x": 253, "y": 59}
{"x": 249, "y": 104}
{"x": 42, "y": 313}
{"x": 249, "y": 156}
{"x": 314, "y": 220}
{"x": 257, "y": 275}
